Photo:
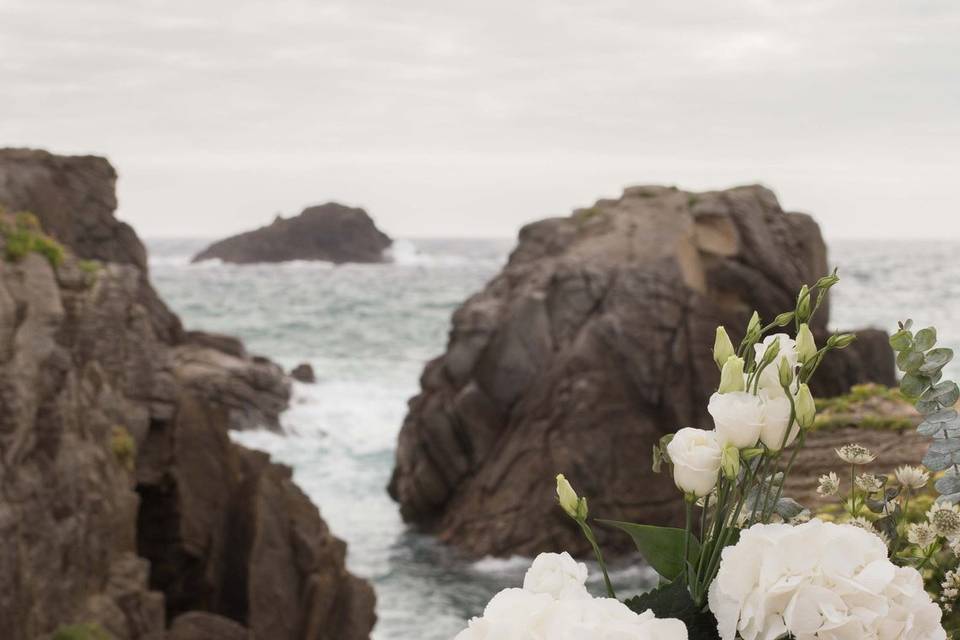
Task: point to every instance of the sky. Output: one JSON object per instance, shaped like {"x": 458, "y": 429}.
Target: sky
{"x": 452, "y": 118}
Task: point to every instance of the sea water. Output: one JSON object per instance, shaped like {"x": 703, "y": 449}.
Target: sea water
{"x": 368, "y": 330}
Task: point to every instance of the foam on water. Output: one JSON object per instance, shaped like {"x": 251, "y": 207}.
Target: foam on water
{"x": 368, "y": 330}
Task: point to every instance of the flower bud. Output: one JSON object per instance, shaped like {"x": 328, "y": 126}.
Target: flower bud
{"x": 784, "y": 319}
{"x": 731, "y": 376}
{"x": 841, "y": 341}
{"x": 730, "y": 461}
{"x": 750, "y": 454}
{"x": 805, "y": 407}
{"x": 785, "y": 372}
{"x": 754, "y": 324}
{"x": 826, "y": 282}
{"x": 722, "y": 347}
{"x": 803, "y": 304}
{"x": 806, "y": 345}
{"x": 773, "y": 349}
{"x": 567, "y": 497}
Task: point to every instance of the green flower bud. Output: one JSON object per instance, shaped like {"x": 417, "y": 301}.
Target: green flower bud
{"x": 841, "y": 341}
{"x": 582, "y": 510}
{"x": 803, "y": 304}
{"x": 773, "y": 350}
{"x": 784, "y": 319}
{"x": 805, "y": 407}
{"x": 730, "y": 461}
{"x": 567, "y": 497}
{"x": 722, "y": 347}
{"x": 731, "y": 376}
{"x": 786, "y": 373}
{"x": 750, "y": 454}
{"x": 754, "y": 324}
{"x": 806, "y": 345}
{"x": 826, "y": 282}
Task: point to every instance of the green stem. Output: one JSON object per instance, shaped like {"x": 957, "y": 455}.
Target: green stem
{"x": 588, "y": 533}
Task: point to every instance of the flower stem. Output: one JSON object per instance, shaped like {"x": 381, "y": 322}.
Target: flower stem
{"x": 588, "y": 533}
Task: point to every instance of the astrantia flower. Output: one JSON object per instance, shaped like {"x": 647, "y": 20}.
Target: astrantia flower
{"x": 912, "y": 477}
{"x": 862, "y": 523}
{"x": 554, "y": 604}
{"x": 818, "y": 580}
{"x": 855, "y": 454}
{"x": 801, "y": 518}
{"x": 869, "y": 482}
{"x": 945, "y": 519}
{"x": 921, "y": 534}
{"x": 829, "y": 484}
{"x": 949, "y": 590}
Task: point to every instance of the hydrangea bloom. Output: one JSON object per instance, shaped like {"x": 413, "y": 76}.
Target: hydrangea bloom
{"x": 819, "y": 580}
{"x": 554, "y": 603}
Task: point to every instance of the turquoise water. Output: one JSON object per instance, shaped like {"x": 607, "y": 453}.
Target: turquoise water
{"x": 368, "y": 330}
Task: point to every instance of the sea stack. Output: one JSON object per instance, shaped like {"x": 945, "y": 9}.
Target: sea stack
{"x": 593, "y": 342}
{"x": 330, "y": 232}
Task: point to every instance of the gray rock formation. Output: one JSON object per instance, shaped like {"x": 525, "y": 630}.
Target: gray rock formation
{"x": 122, "y": 500}
{"x": 593, "y": 342}
{"x": 330, "y": 232}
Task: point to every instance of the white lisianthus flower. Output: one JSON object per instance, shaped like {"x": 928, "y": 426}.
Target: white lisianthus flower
{"x": 776, "y": 418}
{"x": 557, "y": 575}
{"x": 818, "y": 580}
{"x": 554, "y": 604}
{"x": 696, "y": 456}
{"x": 770, "y": 376}
{"x": 737, "y": 417}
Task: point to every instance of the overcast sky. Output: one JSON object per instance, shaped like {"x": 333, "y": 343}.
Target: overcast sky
{"x": 450, "y": 118}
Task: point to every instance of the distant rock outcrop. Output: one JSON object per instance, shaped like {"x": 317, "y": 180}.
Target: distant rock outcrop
{"x": 303, "y": 372}
{"x": 329, "y": 232}
{"x": 123, "y": 502}
{"x": 593, "y": 342}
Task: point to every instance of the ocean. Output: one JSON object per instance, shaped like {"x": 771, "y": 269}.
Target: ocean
{"x": 368, "y": 330}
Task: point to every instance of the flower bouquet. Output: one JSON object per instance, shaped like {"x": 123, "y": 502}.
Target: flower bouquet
{"x": 750, "y": 562}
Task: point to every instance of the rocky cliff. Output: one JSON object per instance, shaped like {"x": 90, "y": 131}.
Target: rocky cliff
{"x": 593, "y": 342}
{"x": 330, "y": 232}
{"x": 123, "y": 503}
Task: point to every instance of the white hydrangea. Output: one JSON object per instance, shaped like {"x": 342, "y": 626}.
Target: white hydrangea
{"x": 554, "y": 604}
{"x": 819, "y": 580}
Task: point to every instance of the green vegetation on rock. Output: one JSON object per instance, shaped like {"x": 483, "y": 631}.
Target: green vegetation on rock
{"x": 22, "y": 234}
{"x": 867, "y": 406}
{"x": 124, "y": 447}
{"x": 85, "y": 631}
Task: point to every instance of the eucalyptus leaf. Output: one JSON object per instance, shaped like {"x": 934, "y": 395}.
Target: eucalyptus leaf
{"x": 948, "y": 484}
{"x": 938, "y": 461}
{"x": 887, "y": 525}
{"x": 901, "y": 340}
{"x": 925, "y": 339}
{"x": 913, "y": 385}
{"x": 943, "y": 415}
{"x": 910, "y": 361}
{"x": 661, "y": 547}
{"x": 952, "y": 498}
{"x": 935, "y": 360}
{"x": 945, "y": 445}
{"x": 946, "y": 393}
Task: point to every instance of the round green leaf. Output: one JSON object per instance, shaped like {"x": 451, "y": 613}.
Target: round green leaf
{"x": 925, "y": 339}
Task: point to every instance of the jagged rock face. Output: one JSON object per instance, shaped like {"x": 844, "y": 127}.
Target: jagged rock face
{"x": 330, "y": 232}
{"x": 593, "y": 342}
{"x": 122, "y": 500}
{"x": 74, "y": 198}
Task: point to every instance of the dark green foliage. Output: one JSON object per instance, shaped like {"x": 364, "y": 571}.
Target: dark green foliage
{"x": 673, "y": 601}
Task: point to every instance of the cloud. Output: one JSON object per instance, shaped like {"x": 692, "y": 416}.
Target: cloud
{"x": 520, "y": 109}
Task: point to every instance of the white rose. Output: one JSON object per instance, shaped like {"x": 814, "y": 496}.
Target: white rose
{"x": 695, "y": 455}
{"x": 776, "y": 417}
{"x": 557, "y": 575}
{"x": 737, "y": 417}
